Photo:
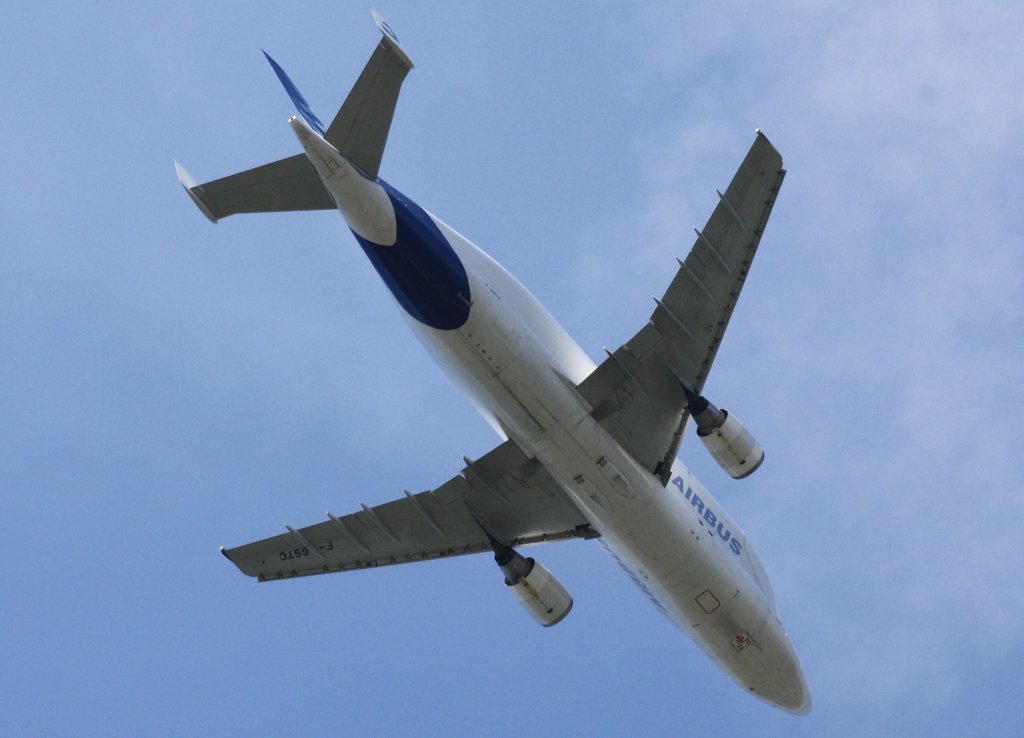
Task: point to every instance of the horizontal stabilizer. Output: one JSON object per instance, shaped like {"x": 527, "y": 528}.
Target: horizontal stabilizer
{"x": 360, "y": 129}
{"x": 285, "y": 185}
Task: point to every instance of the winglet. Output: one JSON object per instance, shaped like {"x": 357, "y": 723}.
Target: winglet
{"x": 293, "y": 92}
{"x": 390, "y": 38}
{"x": 194, "y": 191}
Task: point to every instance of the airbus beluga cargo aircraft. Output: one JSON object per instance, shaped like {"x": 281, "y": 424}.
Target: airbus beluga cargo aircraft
{"x": 588, "y": 451}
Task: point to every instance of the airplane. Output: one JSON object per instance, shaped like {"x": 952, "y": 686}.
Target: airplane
{"x": 588, "y": 451}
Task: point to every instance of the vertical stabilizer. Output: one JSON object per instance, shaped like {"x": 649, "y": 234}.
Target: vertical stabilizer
{"x": 304, "y": 108}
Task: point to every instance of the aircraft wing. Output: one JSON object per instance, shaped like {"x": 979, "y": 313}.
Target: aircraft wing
{"x": 509, "y": 493}
{"x": 636, "y": 393}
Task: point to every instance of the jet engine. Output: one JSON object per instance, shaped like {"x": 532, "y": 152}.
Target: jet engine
{"x": 731, "y": 445}
{"x": 537, "y": 590}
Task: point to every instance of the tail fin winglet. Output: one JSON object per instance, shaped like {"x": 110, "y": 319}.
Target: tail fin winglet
{"x": 194, "y": 191}
{"x": 390, "y": 38}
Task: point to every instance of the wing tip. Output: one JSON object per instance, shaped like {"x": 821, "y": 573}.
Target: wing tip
{"x": 226, "y": 553}
{"x": 761, "y": 136}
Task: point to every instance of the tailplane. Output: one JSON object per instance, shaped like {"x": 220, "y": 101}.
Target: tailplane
{"x": 360, "y": 129}
{"x": 359, "y": 132}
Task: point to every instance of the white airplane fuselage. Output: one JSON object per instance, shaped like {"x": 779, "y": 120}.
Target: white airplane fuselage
{"x": 519, "y": 367}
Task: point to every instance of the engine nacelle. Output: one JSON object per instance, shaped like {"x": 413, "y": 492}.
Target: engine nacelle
{"x": 730, "y": 444}
{"x": 733, "y": 447}
{"x": 534, "y": 586}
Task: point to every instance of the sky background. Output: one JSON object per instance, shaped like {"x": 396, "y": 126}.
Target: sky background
{"x": 168, "y": 386}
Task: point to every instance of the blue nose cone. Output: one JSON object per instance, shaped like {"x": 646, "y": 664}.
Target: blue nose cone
{"x": 421, "y": 269}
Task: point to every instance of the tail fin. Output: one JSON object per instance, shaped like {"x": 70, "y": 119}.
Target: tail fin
{"x": 293, "y": 92}
{"x": 359, "y": 131}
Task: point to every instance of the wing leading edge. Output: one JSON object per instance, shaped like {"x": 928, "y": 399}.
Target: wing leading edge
{"x": 505, "y": 490}
{"x": 636, "y": 393}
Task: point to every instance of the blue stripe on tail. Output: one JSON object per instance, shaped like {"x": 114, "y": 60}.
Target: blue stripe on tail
{"x": 300, "y": 102}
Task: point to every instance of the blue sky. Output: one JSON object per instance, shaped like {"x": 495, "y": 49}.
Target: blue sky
{"x": 168, "y": 386}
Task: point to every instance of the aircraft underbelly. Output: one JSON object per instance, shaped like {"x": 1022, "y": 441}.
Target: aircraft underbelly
{"x": 688, "y": 565}
{"x": 526, "y": 376}
{"x": 675, "y": 542}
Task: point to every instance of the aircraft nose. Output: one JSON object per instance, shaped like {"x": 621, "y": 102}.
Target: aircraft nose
{"x": 796, "y": 697}
{"x": 787, "y": 688}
